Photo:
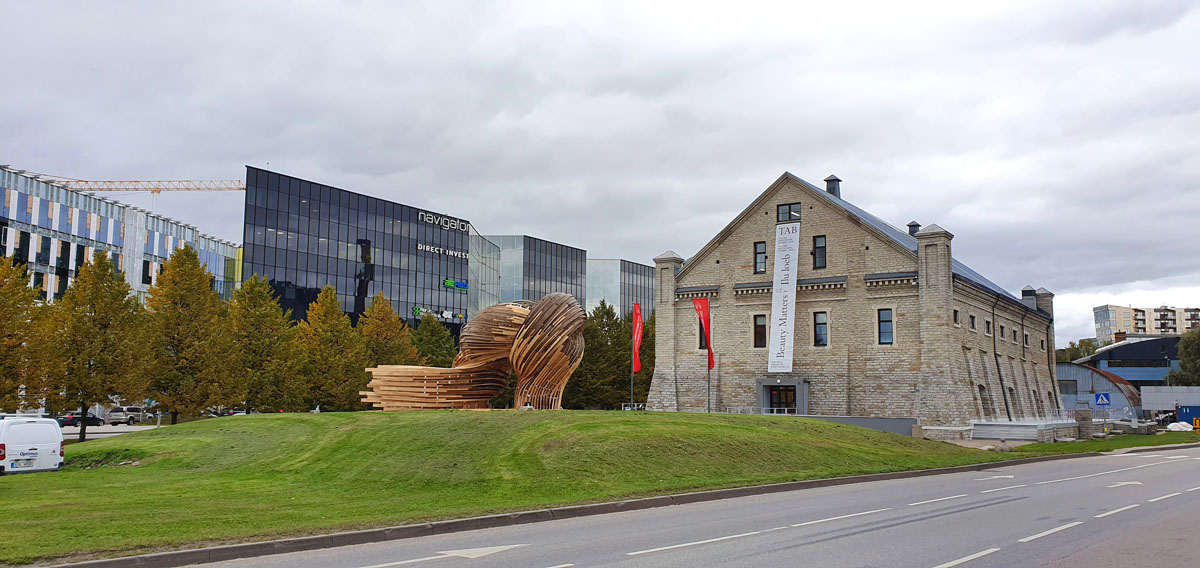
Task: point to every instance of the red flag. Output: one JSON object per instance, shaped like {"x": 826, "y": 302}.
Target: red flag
{"x": 637, "y": 337}
{"x": 701, "y": 305}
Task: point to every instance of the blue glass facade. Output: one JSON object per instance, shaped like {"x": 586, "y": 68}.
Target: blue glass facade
{"x": 302, "y": 235}
{"x": 53, "y": 230}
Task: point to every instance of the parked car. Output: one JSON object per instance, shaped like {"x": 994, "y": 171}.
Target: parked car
{"x": 72, "y": 419}
{"x": 127, "y": 415}
{"x": 29, "y": 444}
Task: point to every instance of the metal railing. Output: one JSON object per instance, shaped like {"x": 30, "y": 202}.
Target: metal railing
{"x": 633, "y": 406}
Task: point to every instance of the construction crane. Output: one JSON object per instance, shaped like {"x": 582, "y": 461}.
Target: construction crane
{"x": 153, "y": 186}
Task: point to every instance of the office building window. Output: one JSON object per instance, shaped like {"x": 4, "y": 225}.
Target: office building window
{"x": 760, "y": 257}
{"x": 820, "y": 329}
{"x": 787, "y": 212}
{"x": 818, "y": 251}
{"x": 885, "y": 326}
{"x": 760, "y": 331}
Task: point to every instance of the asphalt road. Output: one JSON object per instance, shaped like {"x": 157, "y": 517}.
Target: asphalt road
{"x": 106, "y": 431}
{"x": 1121, "y": 510}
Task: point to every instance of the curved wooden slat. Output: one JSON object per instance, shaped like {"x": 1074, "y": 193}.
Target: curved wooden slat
{"x": 541, "y": 341}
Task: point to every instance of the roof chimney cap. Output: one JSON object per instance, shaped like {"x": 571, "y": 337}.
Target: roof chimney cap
{"x": 913, "y": 227}
{"x": 833, "y": 186}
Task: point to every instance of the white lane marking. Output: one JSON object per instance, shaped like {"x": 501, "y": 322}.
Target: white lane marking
{"x": 1121, "y": 483}
{"x": 1003, "y": 488}
{"x": 994, "y": 477}
{"x": 841, "y": 517}
{"x": 936, "y": 500}
{"x": 1102, "y": 473}
{"x": 464, "y": 553}
{"x": 674, "y": 546}
{"x": 1050, "y": 532}
{"x": 1115, "y": 511}
{"x": 1163, "y": 497}
{"x": 563, "y": 566}
{"x": 1175, "y": 457}
{"x": 1194, "y": 489}
{"x": 733, "y": 536}
{"x": 967, "y": 558}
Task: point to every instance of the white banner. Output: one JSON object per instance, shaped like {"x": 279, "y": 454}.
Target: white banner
{"x": 783, "y": 299}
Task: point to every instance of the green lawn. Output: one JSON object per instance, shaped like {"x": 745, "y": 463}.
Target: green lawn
{"x": 1112, "y": 443}
{"x": 264, "y": 476}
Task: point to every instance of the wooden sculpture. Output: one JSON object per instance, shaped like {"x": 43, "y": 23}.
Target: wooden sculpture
{"x": 541, "y": 341}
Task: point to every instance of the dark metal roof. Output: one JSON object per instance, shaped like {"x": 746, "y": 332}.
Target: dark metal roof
{"x": 890, "y": 275}
{"x": 825, "y": 280}
{"x": 745, "y": 285}
{"x": 905, "y": 239}
{"x": 697, "y": 289}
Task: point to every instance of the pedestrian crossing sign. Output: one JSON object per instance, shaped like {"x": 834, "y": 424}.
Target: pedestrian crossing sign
{"x": 1102, "y": 399}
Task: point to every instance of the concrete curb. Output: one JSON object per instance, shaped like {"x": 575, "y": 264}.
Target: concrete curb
{"x": 1164, "y": 447}
{"x": 252, "y": 549}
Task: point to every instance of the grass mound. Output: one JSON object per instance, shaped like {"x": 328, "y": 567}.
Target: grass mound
{"x": 262, "y": 476}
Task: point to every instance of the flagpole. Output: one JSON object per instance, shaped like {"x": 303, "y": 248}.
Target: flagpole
{"x": 709, "y": 395}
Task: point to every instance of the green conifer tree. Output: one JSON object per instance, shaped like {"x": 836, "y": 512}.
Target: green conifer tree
{"x": 387, "y": 337}
{"x": 434, "y": 342}
{"x": 88, "y": 342}
{"x": 17, "y": 303}
{"x": 335, "y": 355}
{"x": 602, "y": 379}
{"x": 264, "y": 342}
{"x": 188, "y": 342}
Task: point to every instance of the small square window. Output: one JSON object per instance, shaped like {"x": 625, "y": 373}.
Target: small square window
{"x": 787, "y": 212}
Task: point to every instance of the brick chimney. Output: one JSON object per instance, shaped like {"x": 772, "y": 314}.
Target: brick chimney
{"x": 1118, "y": 337}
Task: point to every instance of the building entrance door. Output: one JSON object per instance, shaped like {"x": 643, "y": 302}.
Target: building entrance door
{"x": 781, "y": 399}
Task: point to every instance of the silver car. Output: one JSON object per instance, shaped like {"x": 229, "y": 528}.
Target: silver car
{"x": 126, "y": 415}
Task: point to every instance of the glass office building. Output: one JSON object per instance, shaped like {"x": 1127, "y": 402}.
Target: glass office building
{"x": 302, "y": 235}
{"x": 621, "y": 284}
{"x": 530, "y": 268}
{"x": 54, "y": 230}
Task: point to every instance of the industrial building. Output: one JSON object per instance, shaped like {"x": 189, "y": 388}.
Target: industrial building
{"x": 818, "y": 307}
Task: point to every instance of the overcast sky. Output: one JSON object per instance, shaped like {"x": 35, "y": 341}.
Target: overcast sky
{"x": 1057, "y": 141}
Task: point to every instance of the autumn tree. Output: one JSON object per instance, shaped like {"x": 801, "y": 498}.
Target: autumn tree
{"x": 87, "y": 342}
{"x": 17, "y": 304}
{"x": 387, "y": 338}
{"x": 264, "y": 345}
{"x": 188, "y": 343}
{"x": 334, "y": 355}
{"x": 434, "y": 342}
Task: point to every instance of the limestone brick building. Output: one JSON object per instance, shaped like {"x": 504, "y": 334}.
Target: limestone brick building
{"x": 876, "y": 321}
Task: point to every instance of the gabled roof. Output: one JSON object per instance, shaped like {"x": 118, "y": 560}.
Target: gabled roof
{"x": 906, "y": 240}
{"x": 898, "y": 237}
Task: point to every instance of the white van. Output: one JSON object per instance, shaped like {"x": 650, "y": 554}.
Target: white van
{"x": 29, "y": 444}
